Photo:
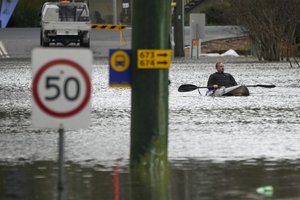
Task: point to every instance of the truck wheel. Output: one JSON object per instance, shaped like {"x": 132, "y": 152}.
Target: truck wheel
{"x": 45, "y": 44}
{"x": 41, "y": 38}
{"x": 66, "y": 43}
{"x": 87, "y": 44}
{"x": 85, "y": 40}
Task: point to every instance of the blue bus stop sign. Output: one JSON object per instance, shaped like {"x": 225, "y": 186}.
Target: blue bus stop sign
{"x": 119, "y": 67}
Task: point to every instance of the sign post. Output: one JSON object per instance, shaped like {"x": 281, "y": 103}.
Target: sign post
{"x": 61, "y": 160}
{"x": 151, "y": 60}
{"x": 61, "y": 92}
{"x": 197, "y": 33}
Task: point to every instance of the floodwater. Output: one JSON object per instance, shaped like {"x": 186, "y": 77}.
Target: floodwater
{"x": 219, "y": 148}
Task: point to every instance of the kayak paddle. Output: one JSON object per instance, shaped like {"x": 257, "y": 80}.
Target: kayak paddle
{"x": 265, "y": 86}
{"x": 190, "y": 87}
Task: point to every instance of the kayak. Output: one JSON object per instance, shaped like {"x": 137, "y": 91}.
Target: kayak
{"x": 238, "y": 90}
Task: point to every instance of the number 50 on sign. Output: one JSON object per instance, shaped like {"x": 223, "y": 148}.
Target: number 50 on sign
{"x": 61, "y": 88}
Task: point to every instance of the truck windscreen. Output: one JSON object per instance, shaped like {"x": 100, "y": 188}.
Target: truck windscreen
{"x": 73, "y": 13}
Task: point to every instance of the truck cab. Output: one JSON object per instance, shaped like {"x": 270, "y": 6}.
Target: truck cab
{"x": 65, "y": 22}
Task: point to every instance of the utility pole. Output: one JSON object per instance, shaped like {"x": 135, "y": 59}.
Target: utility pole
{"x": 115, "y": 12}
{"x": 179, "y": 29}
{"x": 151, "y": 23}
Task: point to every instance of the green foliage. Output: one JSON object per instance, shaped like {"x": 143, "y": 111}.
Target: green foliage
{"x": 215, "y": 15}
{"x": 26, "y": 14}
{"x": 270, "y": 24}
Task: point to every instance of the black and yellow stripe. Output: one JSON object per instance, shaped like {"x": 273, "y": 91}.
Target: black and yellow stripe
{"x": 108, "y": 26}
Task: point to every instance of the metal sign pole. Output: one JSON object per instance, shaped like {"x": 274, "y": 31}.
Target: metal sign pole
{"x": 197, "y": 37}
{"x": 61, "y": 143}
{"x": 192, "y": 49}
{"x": 115, "y": 17}
{"x": 70, "y": 72}
{"x": 197, "y": 25}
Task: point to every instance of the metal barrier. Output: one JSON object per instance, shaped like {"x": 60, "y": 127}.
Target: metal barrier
{"x": 109, "y": 26}
{"x": 118, "y": 27}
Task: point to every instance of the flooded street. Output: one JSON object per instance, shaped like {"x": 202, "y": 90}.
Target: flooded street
{"x": 219, "y": 148}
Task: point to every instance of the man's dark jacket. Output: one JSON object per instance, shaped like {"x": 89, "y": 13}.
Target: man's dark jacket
{"x": 221, "y": 79}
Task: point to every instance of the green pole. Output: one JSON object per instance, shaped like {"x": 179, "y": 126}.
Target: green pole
{"x": 149, "y": 118}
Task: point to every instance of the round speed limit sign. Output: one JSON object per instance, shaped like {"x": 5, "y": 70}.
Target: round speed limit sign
{"x": 61, "y": 90}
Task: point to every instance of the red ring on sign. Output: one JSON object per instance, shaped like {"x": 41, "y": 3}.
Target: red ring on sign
{"x": 70, "y": 64}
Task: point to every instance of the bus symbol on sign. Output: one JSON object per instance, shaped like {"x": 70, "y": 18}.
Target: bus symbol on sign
{"x": 120, "y": 61}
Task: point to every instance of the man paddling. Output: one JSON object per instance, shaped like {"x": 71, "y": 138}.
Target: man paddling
{"x": 219, "y": 78}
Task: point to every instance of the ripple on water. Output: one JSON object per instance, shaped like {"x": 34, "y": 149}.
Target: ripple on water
{"x": 265, "y": 124}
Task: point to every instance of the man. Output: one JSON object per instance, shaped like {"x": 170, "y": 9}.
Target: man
{"x": 219, "y": 78}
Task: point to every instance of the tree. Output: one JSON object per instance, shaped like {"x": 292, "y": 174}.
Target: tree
{"x": 270, "y": 24}
{"x": 26, "y": 14}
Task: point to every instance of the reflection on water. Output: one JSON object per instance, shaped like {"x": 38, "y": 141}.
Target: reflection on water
{"x": 188, "y": 180}
{"x": 219, "y": 148}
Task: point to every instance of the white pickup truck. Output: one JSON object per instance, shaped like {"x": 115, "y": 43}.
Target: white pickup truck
{"x": 65, "y": 22}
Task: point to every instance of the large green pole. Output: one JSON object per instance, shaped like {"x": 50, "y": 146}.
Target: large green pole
{"x": 149, "y": 118}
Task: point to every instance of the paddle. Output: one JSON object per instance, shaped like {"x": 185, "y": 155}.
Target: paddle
{"x": 190, "y": 87}
{"x": 259, "y": 85}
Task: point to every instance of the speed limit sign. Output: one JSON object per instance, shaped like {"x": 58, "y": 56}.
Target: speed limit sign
{"x": 61, "y": 88}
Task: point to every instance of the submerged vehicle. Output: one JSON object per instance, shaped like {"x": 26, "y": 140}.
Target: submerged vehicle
{"x": 65, "y": 22}
{"x": 238, "y": 90}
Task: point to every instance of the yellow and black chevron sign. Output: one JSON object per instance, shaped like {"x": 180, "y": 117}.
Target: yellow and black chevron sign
{"x": 108, "y": 26}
